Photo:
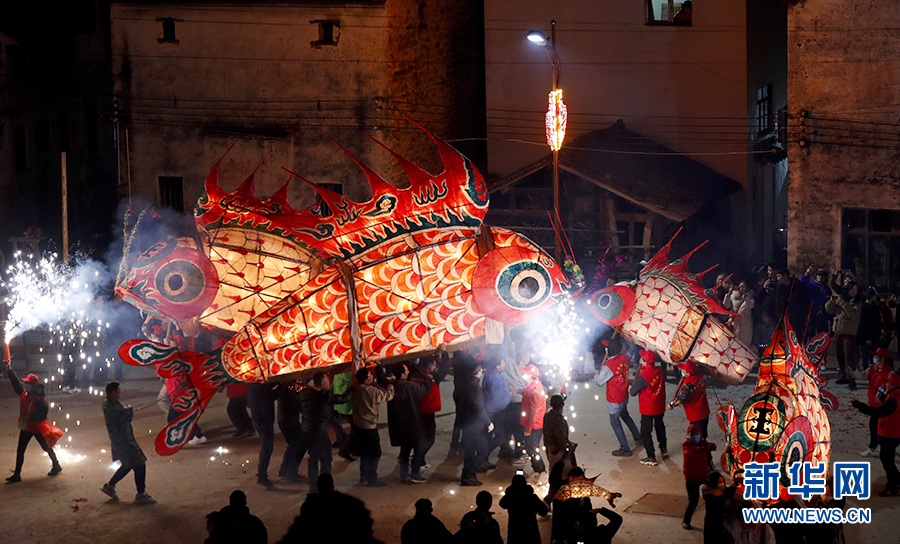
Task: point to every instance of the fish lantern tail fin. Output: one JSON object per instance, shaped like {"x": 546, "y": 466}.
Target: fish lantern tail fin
{"x": 815, "y": 351}
{"x": 199, "y": 375}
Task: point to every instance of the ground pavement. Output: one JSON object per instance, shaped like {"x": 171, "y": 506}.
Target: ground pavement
{"x": 196, "y": 481}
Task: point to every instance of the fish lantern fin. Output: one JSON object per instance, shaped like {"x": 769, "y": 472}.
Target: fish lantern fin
{"x": 201, "y": 376}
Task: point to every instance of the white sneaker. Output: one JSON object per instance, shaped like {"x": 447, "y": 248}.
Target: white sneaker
{"x": 521, "y": 461}
{"x": 196, "y": 440}
{"x": 144, "y": 498}
{"x": 110, "y": 490}
{"x": 65, "y": 389}
{"x": 73, "y": 390}
{"x": 869, "y": 453}
{"x": 426, "y": 466}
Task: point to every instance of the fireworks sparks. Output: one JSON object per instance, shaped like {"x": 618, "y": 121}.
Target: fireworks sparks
{"x": 44, "y": 293}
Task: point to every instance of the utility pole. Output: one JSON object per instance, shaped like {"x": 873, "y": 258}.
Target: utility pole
{"x": 65, "y": 212}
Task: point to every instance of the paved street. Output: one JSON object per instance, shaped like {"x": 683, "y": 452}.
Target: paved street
{"x": 199, "y": 479}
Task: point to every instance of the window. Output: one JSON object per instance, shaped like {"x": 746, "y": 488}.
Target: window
{"x": 764, "y": 109}
{"x": 329, "y": 32}
{"x": 171, "y": 192}
{"x": 669, "y": 12}
{"x": 21, "y": 151}
{"x": 42, "y": 135}
{"x": 871, "y": 247}
{"x": 168, "y": 31}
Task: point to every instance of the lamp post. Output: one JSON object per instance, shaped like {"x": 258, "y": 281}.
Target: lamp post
{"x": 556, "y": 118}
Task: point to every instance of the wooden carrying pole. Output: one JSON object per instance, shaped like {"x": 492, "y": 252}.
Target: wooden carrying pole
{"x": 65, "y": 212}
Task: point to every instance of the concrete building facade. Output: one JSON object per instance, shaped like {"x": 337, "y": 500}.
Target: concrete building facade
{"x": 844, "y": 179}
{"x": 283, "y": 80}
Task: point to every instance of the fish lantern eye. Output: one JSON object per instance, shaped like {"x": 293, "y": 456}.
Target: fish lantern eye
{"x": 613, "y": 305}
{"x": 514, "y": 284}
{"x": 172, "y": 279}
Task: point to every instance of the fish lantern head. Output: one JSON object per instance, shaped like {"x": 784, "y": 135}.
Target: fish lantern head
{"x": 172, "y": 279}
{"x": 613, "y": 305}
{"x": 517, "y": 282}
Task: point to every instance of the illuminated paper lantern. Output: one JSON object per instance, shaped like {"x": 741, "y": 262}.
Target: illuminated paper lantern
{"x": 555, "y": 120}
{"x": 338, "y": 282}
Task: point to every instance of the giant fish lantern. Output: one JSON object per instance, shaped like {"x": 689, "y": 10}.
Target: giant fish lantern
{"x": 666, "y": 310}
{"x": 337, "y": 282}
{"x": 784, "y": 420}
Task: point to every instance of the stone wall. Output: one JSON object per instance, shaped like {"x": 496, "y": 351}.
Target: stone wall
{"x": 843, "y": 75}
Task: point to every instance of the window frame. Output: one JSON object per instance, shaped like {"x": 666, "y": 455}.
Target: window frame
{"x": 865, "y": 232}
{"x": 648, "y": 6}
{"x": 166, "y": 190}
{"x": 765, "y": 102}
{"x": 165, "y": 21}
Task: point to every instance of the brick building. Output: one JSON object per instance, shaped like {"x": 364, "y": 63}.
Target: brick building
{"x": 284, "y": 79}
{"x": 844, "y": 179}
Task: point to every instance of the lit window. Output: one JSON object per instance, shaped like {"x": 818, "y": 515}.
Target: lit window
{"x": 669, "y": 12}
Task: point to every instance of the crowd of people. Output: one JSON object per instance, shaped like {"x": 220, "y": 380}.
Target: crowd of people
{"x": 502, "y": 405}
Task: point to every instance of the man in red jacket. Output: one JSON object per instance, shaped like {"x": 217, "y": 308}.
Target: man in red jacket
{"x": 33, "y": 409}
{"x": 534, "y": 406}
{"x": 431, "y": 402}
{"x": 691, "y": 393}
{"x": 650, "y": 388}
{"x": 614, "y": 373}
{"x": 696, "y": 469}
{"x": 888, "y": 415}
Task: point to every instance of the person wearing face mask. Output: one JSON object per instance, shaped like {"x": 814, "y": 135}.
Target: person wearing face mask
{"x": 33, "y": 409}
{"x": 878, "y": 374}
{"x": 696, "y": 469}
{"x": 691, "y": 393}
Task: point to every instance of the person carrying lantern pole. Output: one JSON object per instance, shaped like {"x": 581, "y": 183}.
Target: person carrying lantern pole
{"x": 650, "y": 388}
{"x": 691, "y": 393}
{"x": 888, "y": 415}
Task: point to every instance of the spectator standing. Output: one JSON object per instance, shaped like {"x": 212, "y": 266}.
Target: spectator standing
{"x": 261, "y": 397}
{"x": 479, "y": 525}
{"x": 431, "y": 402}
{"x": 367, "y": 399}
{"x": 405, "y": 424}
{"x": 697, "y": 453}
{"x": 534, "y": 406}
{"x": 316, "y": 405}
{"x": 846, "y": 310}
{"x": 496, "y": 400}
{"x": 740, "y": 301}
{"x": 331, "y": 516}
{"x": 463, "y": 364}
{"x": 715, "y": 494}
{"x": 474, "y": 422}
{"x": 650, "y": 388}
{"x": 124, "y": 447}
{"x": 237, "y": 409}
{"x": 556, "y": 435}
{"x": 815, "y": 280}
{"x": 888, "y": 415}
{"x": 691, "y": 393}
{"x": 572, "y": 518}
{"x": 424, "y": 527}
{"x": 33, "y": 409}
{"x": 878, "y": 375}
{"x": 876, "y": 326}
{"x": 523, "y": 507}
{"x": 245, "y": 527}
{"x": 614, "y": 374}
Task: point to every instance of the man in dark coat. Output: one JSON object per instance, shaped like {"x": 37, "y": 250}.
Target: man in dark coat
{"x": 124, "y": 448}
{"x": 474, "y": 422}
{"x": 405, "y": 425}
{"x": 288, "y": 417}
{"x": 332, "y": 517}
{"x": 33, "y": 409}
{"x": 261, "y": 398}
{"x": 244, "y": 527}
{"x": 317, "y": 402}
{"x": 523, "y": 505}
{"x": 424, "y": 527}
{"x": 479, "y": 525}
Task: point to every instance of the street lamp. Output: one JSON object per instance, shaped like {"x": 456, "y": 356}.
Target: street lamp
{"x": 556, "y": 117}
